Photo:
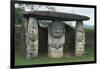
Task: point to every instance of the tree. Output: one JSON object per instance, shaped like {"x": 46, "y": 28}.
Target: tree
{"x": 19, "y": 10}
{"x": 38, "y": 7}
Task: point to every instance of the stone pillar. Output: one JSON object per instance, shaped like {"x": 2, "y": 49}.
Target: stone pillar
{"x": 32, "y": 38}
{"x": 25, "y": 25}
{"x": 23, "y": 36}
{"x": 80, "y": 39}
{"x": 56, "y": 39}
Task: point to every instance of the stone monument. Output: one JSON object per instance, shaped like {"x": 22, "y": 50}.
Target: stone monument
{"x": 32, "y": 38}
{"x": 56, "y": 39}
{"x": 56, "y": 32}
{"x": 80, "y": 39}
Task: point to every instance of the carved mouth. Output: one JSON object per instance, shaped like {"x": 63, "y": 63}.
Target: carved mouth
{"x": 57, "y": 35}
{"x": 56, "y": 47}
{"x": 79, "y": 39}
{"x": 34, "y": 38}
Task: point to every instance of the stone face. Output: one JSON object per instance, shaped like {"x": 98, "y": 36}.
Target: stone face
{"x": 32, "y": 38}
{"x": 56, "y": 39}
{"x": 80, "y": 39}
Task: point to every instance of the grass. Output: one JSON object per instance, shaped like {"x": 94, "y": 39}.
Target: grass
{"x": 88, "y": 56}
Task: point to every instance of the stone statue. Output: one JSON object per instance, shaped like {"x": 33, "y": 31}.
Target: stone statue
{"x": 56, "y": 39}
{"x": 32, "y": 38}
{"x": 80, "y": 39}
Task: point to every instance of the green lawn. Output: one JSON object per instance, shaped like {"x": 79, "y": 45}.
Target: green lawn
{"x": 88, "y": 56}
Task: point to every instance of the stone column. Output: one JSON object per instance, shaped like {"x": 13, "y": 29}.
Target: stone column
{"x": 32, "y": 38}
{"x": 56, "y": 39}
{"x": 80, "y": 38}
{"x": 25, "y": 25}
{"x": 23, "y": 36}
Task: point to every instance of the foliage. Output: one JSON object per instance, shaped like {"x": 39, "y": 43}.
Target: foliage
{"x": 88, "y": 30}
{"x": 35, "y": 7}
{"x": 18, "y": 15}
{"x": 20, "y": 8}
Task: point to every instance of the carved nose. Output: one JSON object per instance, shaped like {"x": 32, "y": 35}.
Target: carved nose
{"x": 34, "y": 35}
{"x": 57, "y": 31}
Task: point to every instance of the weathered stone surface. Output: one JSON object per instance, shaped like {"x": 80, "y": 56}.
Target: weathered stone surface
{"x": 80, "y": 39}
{"x": 56, "y": 39}
{"x": 50, "y": 15}
{"x": 55, "y": 53}
{"x": 32, "y": 38}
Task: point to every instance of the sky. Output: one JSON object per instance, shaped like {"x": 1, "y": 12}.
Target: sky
{"x": 75, "y": 10}
{"x": 81, "y": 11}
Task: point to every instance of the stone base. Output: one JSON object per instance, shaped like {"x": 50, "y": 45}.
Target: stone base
{"x": 79, "y": 51}
{"x": 32, "y": 54}
{"x": 55, "y": 53}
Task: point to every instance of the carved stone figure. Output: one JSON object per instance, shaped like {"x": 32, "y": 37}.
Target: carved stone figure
{"x": 80, "y": 39}
{"x": 32, "y": 38}
{"x": 56, "y": 39}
